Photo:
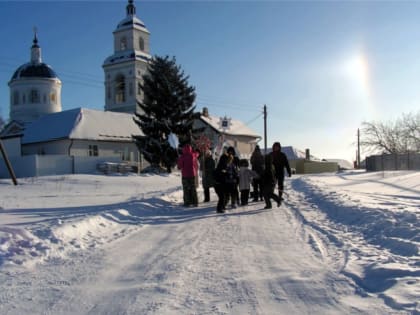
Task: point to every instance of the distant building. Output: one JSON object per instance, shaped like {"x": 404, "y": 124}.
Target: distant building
{"x": 223, "y": 131}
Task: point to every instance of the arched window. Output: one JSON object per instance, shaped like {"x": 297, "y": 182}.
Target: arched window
{"x": 130, "y": 88}
{"x": 141, "y": 43}
{"x": 53, "y": 98}
{"x": 15, "y": 98}
{"x": 34, "y": 97}
{"x": 123, "y": 43}
{"x": 120, "y": 89}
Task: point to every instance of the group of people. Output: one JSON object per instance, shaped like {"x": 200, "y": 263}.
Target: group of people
{"x": 232, "y": 177}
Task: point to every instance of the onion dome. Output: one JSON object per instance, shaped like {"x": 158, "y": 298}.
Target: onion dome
{"x": 35, "y": 68}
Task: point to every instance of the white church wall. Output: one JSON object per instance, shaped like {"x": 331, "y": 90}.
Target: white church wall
{"x": 24, "y": 109}
{"x": 46, "y": 148}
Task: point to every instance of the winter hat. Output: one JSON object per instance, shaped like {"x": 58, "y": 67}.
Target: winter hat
{"x": 276, "y": 144}
{"x": 231, "y": 150}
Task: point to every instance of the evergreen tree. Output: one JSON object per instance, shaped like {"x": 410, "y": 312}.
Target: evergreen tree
{"x": 167, "y": 108}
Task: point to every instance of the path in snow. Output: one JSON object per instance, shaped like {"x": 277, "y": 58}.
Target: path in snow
{"x": 194, "y": 261}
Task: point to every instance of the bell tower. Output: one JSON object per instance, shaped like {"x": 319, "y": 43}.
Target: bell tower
{"x": 125, "y": 68}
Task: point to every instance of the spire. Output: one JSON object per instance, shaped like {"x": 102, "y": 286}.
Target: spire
{"x": 131, "y": 8}
{"x": 35, "y": 49}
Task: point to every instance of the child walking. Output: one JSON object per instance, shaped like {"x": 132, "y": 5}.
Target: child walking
{"x": 245, "y": 178}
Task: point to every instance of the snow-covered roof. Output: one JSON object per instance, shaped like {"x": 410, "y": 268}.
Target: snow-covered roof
{"x": 82, "y": 123}
{"x": 127, "y": 55}
{"x": 236, "y": 128}
{"x": 292, "y": 153}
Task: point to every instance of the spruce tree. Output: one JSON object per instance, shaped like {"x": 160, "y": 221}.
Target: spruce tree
{"x": 167, "y": 108}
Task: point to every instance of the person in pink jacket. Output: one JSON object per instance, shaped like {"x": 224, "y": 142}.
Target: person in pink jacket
{"x": 188, "y": 164}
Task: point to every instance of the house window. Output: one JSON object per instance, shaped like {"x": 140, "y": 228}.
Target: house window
{"x": 125, "y": 155}
{"x": 34, "y": 96}
{"x": 93, "y": 150}
{"x": 141, "y": 44}
{"x": 120, "y": 89}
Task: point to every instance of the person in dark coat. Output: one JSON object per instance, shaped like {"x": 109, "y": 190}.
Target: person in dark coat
{"x": 280, "y": 163}
{"x": 233, "y": 179}
{"x": 269, "y": 183}
{"x": 188, "y": 164}
{"x": 257, "y": 165}
{"x": 220, "y": 185}
{"x": 208, "y": 174}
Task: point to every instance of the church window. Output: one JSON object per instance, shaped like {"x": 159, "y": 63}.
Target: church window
{"x": 141, "y": 43}
{"x": 139, "y": 88}
{"x": 16, "y": 98}
{"x": 120, "y": 89}
{"x": 108, "y": 91}
{"x": 130, "y": 88}
{"x": 45, "y": 98}
{"x": 93, "y": 150}
{"x": 53, "y": 98}
{"x": 123, "y": 43}
{"x": 34, "y": 96}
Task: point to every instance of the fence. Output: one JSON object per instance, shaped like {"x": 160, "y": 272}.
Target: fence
{"x": 41, "y": 165}
{"x": 390, "y": 162}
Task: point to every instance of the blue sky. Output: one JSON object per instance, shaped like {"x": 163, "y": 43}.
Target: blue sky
{"x": 322, "y": 68}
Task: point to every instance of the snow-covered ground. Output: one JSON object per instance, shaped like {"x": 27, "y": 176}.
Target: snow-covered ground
{"x": 345, "y": 243}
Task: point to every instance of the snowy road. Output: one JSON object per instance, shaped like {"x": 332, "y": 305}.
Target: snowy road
{"x": 174, "y": 260}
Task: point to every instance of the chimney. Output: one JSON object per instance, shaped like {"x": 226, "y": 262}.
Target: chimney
{"x": 205, "y": 112}
{"x": 307, "y": 154}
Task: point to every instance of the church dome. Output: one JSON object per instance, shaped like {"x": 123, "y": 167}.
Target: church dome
{"x": 34, "y": 70}
{"x": 131, "y": 19}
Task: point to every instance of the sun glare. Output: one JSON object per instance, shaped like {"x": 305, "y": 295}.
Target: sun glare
{"x": 357, "y": 68}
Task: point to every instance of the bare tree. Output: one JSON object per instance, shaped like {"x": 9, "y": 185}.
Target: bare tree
{"x": 411, "y": 126}
{"x": 399, "y": 136}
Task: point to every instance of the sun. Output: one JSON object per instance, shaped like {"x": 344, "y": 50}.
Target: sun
{"x": 357, "y": 69}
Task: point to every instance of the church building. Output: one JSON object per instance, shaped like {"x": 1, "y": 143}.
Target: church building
{"x": 41, "y": 139}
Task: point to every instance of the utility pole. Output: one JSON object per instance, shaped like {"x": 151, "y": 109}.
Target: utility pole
{"x": 9, "y": 166}
{"x": 265, "y": 129}
{"x": 358, "y": 148}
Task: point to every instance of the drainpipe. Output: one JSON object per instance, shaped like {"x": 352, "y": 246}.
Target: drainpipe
{"x": 72, "y": 157}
